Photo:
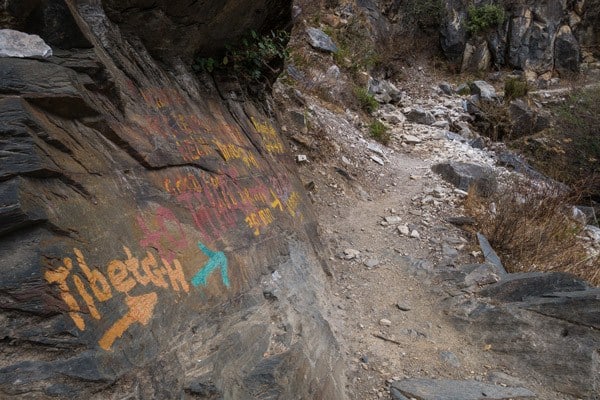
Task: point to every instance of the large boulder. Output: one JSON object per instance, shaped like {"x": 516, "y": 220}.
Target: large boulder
{"x": 155, "y": 241}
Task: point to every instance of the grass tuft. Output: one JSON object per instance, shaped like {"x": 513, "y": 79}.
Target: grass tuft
{"x": 380, "y": 132}
{"x": 531, "y": 228}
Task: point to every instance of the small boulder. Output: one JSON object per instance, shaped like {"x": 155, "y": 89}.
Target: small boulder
{"x": 320, "y": 40}
{"x": 22, "y": 45}
{"x": 418, "y": 115}
{"x": 464, "y": 175}
{"x": 484, "y": 90}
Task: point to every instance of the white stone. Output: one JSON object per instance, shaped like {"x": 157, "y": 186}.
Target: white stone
{"x": 22, "y": 45}
{"x": 403, "y": 230}
{"x": 378, "y": 160}
{"x": 411, "y": 139}
{"x": 394, "y": 219}
{"x": 385, "y": 322}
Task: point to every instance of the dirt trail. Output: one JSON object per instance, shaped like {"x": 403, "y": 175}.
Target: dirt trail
{"x": 387, "y": 316}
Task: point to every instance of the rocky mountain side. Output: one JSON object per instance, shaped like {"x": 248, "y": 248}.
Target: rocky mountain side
{"x": 174, "y": 223}
{"x": 154, "y": 239}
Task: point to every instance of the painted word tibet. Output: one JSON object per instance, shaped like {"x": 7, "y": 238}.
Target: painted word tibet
{"x": 83, "y": 288}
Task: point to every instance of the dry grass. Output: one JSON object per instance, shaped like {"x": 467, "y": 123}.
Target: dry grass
{"x": 531, "y": 229}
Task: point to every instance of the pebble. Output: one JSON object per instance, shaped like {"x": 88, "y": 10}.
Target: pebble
{"x": 385, "y": 322}
{"x": 351, "y": 254}
{"x": 414, "y": 234}
{"x": 394, "y": 219}
{"x": 403, "y": 307}
{"x": 371, "y": 263}
{"x": 378, "y": 160}
{"x": 411, "y": 139}
{"x": 403, "y": 230}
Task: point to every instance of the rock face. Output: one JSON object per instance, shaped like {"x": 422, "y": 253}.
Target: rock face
{"x": 536, "y": 36}
{"x": 532, "y": 320}
{"x": 154, "y": 241}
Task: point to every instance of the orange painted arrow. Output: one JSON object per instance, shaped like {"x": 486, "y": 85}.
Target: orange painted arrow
{"x": 141, "y": 309}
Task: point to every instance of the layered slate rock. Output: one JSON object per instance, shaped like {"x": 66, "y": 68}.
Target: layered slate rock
{"x": 446, "y": 389}
{"x": 154, "y": 240}
{"x": 546, "y": 325}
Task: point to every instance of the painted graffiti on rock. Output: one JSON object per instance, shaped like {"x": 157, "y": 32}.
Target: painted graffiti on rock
{"x": 216, "y": 261}
{"x": 271, "y": 139}
{"x": 219, "y": 203}
{"x": 174, "y": 118}
{"x": 164, "y": 233}
{"x": 94, "y": 287}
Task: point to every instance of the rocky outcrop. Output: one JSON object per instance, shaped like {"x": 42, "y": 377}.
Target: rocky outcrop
{"x": 536, "y": 36}
{"x": 530, "y": 321}
{"x": 154, "y": 241}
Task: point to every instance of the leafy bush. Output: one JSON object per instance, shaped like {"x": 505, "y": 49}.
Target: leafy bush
{"x": 515, "y": 88}
{"x": 483, "y": 18}
{"x": 253, "y": 58}
{"x": 424, "y": 13}
{"x": 530, "y": 227}
{"x": 366, "y": 100}
{"x": 380, "y": 132}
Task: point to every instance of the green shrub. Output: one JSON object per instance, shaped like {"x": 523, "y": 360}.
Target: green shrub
{"x": 483, "y": 18}
{"x": 253, "y": 58}
{"x": 366, "y": 100}
{"x": 515, "y": 88}
{"x": 424, "y": 13}
{"x": 380, "y": 132}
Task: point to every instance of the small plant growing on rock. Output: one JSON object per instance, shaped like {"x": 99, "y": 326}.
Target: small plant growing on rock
{"x": 515, "y": 88}
{"x": 380, "y": 132}
{"x": 366, "y": 100}
{"x": 484, "y": 18}
{"x": 253, "y": 58}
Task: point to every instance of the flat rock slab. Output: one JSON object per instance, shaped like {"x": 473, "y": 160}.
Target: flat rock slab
{"x": 464, "y": 175}
{"x": 320, "y": 40}
{"x": 445, "y": 389}
{"x": 22, "y": 45}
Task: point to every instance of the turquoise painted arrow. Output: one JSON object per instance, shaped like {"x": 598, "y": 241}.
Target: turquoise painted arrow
{"x": 216, "y": 259}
